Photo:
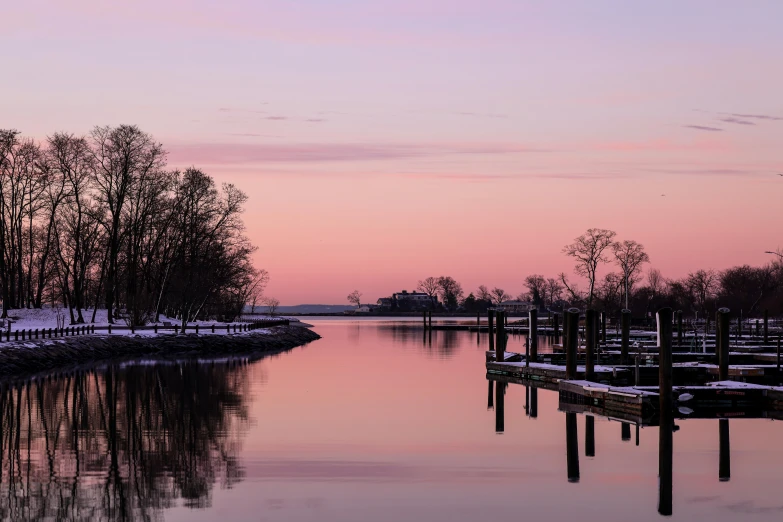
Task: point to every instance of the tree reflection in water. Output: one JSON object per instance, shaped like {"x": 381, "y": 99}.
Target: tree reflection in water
{"x": 122, "y": 442}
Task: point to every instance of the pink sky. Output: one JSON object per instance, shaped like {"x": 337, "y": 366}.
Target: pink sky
{"x": 384, "y": 142}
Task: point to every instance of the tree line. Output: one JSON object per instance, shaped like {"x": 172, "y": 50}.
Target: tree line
{"x": 744, "y": 289}
{"x": 99, "y": 221}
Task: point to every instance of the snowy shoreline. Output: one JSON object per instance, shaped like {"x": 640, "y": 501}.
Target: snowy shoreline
{"x": 20, "y": 359}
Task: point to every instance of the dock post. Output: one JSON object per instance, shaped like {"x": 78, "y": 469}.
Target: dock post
{"x": 424, "y": 318}
{"x": 665, "y": 438}
{"x": 527, "y": 352}
{"x": 556, "y": 320}
{"x": 478, "y": 318}
{"x": 665, "y": 359}
{"x": 603, "y": 327}
{"x": 430, "y": 318}
{"x": 589, "y": 436}
{"x": 625, "y": 432}
{"x": 724, "y": 462}
{"x": 722, "y": 343}
{"x": 500, "y": 420}
{"x": 590, "y": 336}
{"x": 490, "y": 325}
{"x": 625, "y": 319}
{"x": 766, "y": 326}
{"x": 532, "y": 334}
{"x": 778, "y": 357}
{"x": 706, "y": 327}
{"x": 572, "y": 340}
{"x": 500, "y": 341}
{"x": 572, "y": 441}
{"x": 679, "y": 329}
{"x": 636, "y": 370}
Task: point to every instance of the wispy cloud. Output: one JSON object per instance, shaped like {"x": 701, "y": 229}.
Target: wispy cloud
{"x": 276, "y": 118}
{"x": 737, "y": 121}
{"x": 247, "y": 153}
{"x": 757, "y": 116}
{"x": 315, "y": 120}
{"x": 481, "y": 114}
{"x": 703, "y": 128}
{"x": 252, "y": 111}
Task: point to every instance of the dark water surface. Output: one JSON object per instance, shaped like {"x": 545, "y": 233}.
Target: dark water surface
{"x": 374, "y": 422}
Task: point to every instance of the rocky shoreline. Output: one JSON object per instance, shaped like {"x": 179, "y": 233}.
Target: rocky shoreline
{"x": 25, "y": 358}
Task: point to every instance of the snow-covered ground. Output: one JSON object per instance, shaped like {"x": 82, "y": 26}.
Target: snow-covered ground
{"x": 30, "y": 319}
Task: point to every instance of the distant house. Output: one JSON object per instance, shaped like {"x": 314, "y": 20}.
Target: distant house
{"x": 385, "y": 304}
{"x": 405, "y": 301}
{"x": 364, "y": 309}
{"x": 516, "y": 307}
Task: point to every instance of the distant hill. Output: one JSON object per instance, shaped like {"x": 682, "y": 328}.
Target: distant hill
{"x": 306, "y": 309}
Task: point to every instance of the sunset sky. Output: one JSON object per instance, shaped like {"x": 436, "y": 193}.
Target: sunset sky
{"x": 382, "y": 142}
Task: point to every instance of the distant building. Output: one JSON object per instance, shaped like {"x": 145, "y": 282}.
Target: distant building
{"x": 364, "y": 309}
{"x": 385, "y": 304}
{"x": 516, "y": 307}
{"x": 411, "y": 301}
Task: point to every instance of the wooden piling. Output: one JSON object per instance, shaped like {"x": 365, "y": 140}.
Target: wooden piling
{"x": 625, "y": 320}
{"x": 603, "y": 327}
{"x": 665, "y": 358}
{"x": 724, "y": 462}
{"x": 778, "y": 357}
{"x": 478, "y": 318}
{"x": 533, "y": 334}
{"x": 589, "y": 436}
{"x": 424, "y": 318}
{"x": 491, "y": 327}
{"x": 572, "y": 441}
{"x": 590, "y": 337}
{"x": 500, "y": 342}
{"x": 679, "y": 329}
{"x": 572, "y": 340}
{"x": 429, "y": 316}
{"x": 722, "y": 342}
{"x": 556, "y": 321}
{"x": 766, "y": 326}
{"x": 666, "y": 414}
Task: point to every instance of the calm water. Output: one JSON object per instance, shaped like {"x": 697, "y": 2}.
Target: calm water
{"x": 373, "y": 422}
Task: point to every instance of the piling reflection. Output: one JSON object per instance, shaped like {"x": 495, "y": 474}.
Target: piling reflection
{"x": 724, "y": 464}
{"x": 572, "y": 448}
{"x": 664, "y": 422}
{"x": 589, "y": 436}
{"x": 120, "y": 443}
{"x": 500, "y": 399}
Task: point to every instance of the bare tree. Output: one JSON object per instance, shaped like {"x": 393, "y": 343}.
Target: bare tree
{"x": 483, "y": 294}
{"x": 450, "y": 292}
{"x": 355, "y": 298}
{"x": 702, "y": 286}
{"x": 536, "y": 288}
{"x": 271, "y": 304}
{"x": 499, "y": 295}
{"x": 630, "y": 256}
{"x": 588, "y": 250}
{"x": 255, "y": 291}
{"x": 554, "y": 290}
{"x": 429, "y": 286}
{"x": 123, "y": 155}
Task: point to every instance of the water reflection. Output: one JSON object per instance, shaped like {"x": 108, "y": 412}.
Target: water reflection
{"x": 120, "y": 443}
{"x": 666, "y": 427}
